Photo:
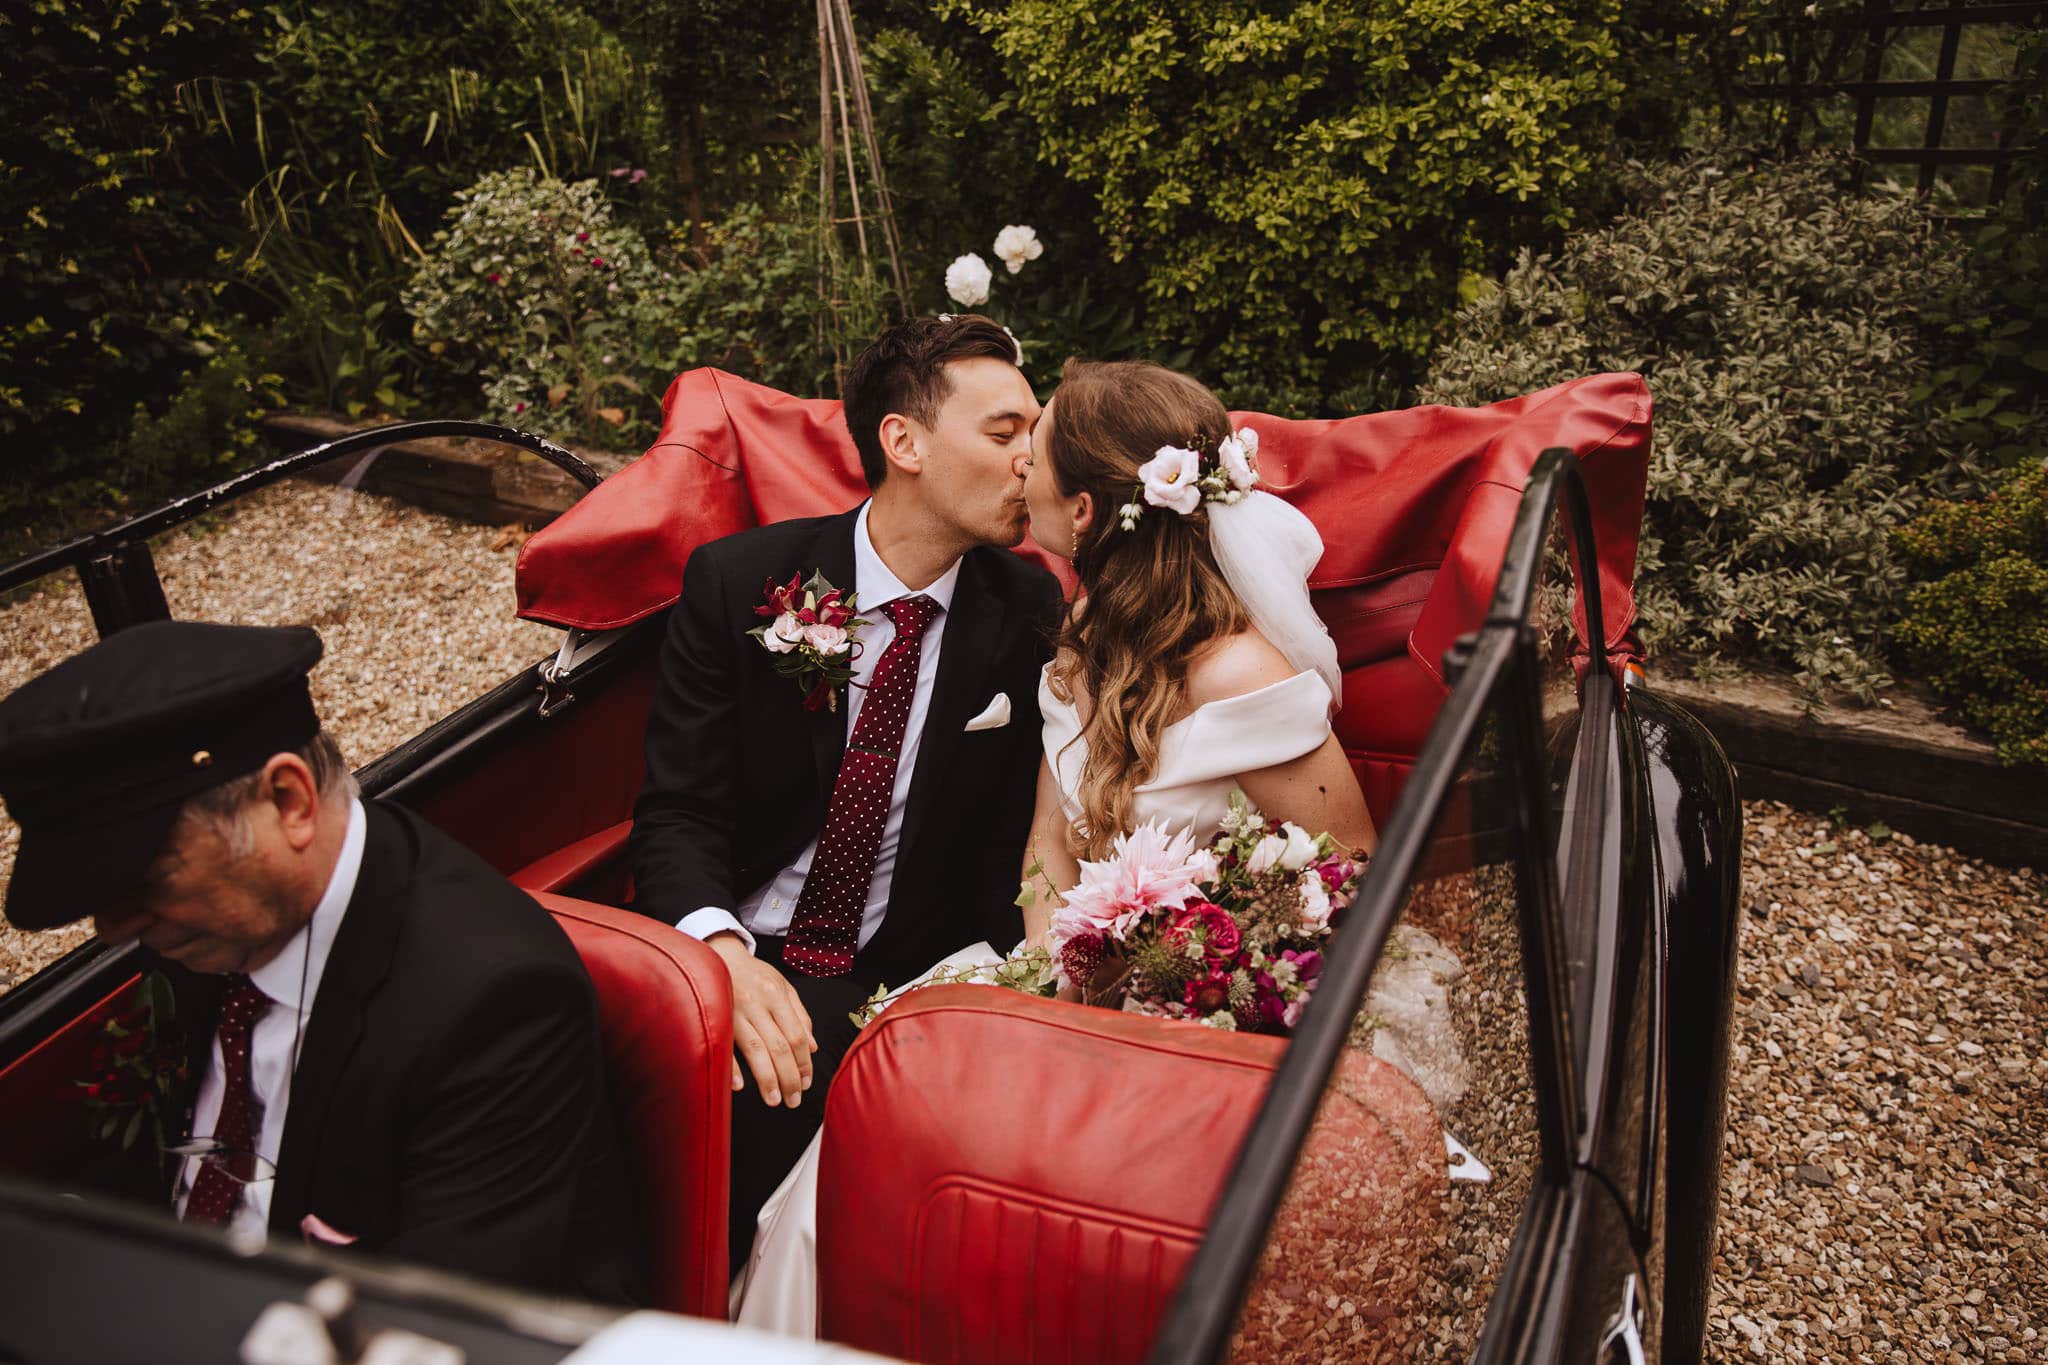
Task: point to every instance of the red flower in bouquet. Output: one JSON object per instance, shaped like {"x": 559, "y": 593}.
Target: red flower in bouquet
{"x": 1209, "y": 923}
{"x": 1079, "y": 957}
{"x": 1206, "y": 995}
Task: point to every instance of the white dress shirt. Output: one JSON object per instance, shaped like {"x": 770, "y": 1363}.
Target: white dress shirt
{"x": 291, "y": 982}
{"x": 770, "y": 909}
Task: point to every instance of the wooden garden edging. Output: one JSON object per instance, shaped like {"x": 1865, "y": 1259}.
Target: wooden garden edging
{"x": 1902, "y": 764}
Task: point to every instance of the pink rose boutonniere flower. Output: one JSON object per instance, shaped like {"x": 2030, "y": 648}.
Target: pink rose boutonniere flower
{"x": 809, "y": 636}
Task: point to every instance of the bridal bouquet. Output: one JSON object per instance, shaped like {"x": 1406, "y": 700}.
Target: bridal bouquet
{"x": 1229, "y": 934}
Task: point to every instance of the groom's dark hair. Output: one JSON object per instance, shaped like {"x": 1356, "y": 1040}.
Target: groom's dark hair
{"x": 904, "y": 370}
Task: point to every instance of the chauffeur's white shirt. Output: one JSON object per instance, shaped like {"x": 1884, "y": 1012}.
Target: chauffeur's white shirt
{"x": 275, "y": 1039}
{"x": 770, "y": 909}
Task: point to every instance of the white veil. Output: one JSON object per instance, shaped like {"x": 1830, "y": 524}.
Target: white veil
{"x": 1266, "y": 548}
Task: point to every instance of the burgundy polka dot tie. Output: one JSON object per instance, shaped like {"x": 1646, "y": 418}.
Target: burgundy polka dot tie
{"x": 825, "y": 928}
{"x": 215, "y": 1193}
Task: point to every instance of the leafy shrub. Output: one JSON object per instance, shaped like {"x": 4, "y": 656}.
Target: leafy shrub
{"x": 1302, "y": 192}
{"x": 747, "y": 301}
{"x": 368, "y": 115}
{"x": 207, "y": 430}
{"x": 562, "y": 313}
{"x": 116, "y": 213}
{"x": 175, "y": 168}
{"x": 1978, "y": 629}
{"x": 1774, "y": 315}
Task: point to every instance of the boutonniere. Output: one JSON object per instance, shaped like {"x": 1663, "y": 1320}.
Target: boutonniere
{"x": 810, "y": 634}
{"x": 139, "y": 1070}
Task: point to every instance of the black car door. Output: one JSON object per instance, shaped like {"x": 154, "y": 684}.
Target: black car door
{"x": 1501, "y": 892}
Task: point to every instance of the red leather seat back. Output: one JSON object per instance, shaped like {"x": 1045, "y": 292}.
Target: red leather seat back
{"x": 1414, "y": 507}
{"x": 1012, "y": 1179}
{"x": 665, "y": 1004}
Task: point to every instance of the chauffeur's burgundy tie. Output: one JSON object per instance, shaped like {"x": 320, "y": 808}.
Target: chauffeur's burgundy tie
{"x": 825, "y": 928}
{"x": 215, "y": 1193}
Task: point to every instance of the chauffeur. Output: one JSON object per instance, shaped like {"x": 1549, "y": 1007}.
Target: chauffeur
{"x": 407, "y": 1041}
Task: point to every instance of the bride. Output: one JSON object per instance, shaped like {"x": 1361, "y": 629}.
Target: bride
{"x": 1190, "y": 666}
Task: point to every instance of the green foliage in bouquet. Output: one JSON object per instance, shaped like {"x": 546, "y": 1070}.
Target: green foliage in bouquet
{"x": 564, "y": 315}
{"x": 1977, "y": 629}
{"x": 1302, "y": 191}
{"x": 1777, "y": 318}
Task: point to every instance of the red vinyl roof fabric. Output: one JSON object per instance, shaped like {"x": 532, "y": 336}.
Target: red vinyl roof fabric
{"x": 1393, "y": 492}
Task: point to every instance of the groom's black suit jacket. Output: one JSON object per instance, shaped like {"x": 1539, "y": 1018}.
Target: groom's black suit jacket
{"x": 739, "y": 775}
{"x": 449, "y": 1105}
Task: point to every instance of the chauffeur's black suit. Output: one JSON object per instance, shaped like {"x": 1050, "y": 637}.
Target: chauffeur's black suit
{"x": 449, "y": 1105}
{"x": 739, "y": 778}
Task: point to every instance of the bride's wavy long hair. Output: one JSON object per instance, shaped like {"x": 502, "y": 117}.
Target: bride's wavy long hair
{"x": 1155, "y": 595}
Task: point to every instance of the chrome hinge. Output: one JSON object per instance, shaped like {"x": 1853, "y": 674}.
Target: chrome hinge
{"x": 577, "y": 645}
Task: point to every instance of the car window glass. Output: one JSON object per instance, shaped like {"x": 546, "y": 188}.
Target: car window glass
{"x": 39, "y": 626}
{"x": 1377, "y": 1253}
{"x": 415, "y": 609}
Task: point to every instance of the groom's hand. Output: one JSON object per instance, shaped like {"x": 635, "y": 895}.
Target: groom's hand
{"x": 771, "y": 1030}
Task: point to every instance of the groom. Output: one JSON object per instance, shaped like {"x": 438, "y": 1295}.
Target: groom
{"x": 822, "y": 851}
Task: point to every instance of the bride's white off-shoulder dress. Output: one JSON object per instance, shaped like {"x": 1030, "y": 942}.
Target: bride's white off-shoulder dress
{"x": 1200, "y": 758}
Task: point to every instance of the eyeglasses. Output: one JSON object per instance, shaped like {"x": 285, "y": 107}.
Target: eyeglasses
{"x": 241, "y": 1166}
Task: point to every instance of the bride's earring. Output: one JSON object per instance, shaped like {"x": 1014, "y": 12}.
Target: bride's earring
{"x": 1084, "y": 517}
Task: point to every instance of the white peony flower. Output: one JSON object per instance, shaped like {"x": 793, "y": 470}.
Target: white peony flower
{"x": 1301, "y": 847}
{"x": 1016, "y": 244}
{"x": 1237, "y": 453}
{"x": 1315, "y": 901}
{"x": 1170, "y": 479}
{"x": 1265, "y": 854}
{"x": 784, "y": 635}
{"x": 967, "y": 280}
{"x": 826, "y": 639}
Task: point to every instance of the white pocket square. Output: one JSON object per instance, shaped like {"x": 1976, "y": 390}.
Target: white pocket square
{"x": 994, "y": 716}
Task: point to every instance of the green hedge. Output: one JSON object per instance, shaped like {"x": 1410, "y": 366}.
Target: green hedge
{"x": 181, "y": 171}
{"x": 1777, "y": 317}
{"x": 1302, "y": 193}
{"x": 1977, "y": 629}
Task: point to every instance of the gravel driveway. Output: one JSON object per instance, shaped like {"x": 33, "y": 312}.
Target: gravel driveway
{"x": 1882, "y": 1190}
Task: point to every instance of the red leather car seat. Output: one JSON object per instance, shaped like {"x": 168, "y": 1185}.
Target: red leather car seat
{"x": 1012, "y": 1179}
{"x": 1414, "y": 507}
{"x": 665, "y": 1005}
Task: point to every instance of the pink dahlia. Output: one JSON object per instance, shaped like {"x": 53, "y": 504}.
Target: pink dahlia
{"x": 1150, "y": 870}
